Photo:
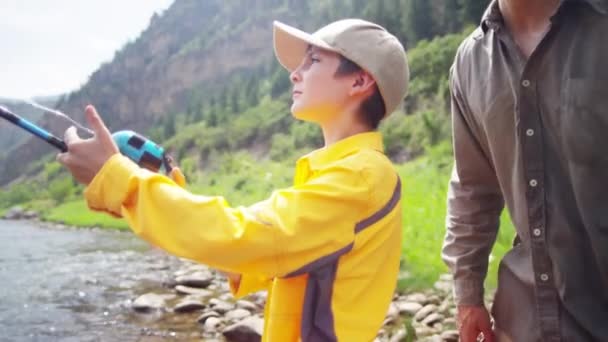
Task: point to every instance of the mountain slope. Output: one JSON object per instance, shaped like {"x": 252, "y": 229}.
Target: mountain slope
{"x": 208, "y": 62}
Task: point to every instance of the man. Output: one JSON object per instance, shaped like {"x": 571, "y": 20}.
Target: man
{"x": 326, "y": 249}
{"x": 530, "y": 124}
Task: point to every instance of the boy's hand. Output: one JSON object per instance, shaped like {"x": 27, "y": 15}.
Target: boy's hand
{"x": 85, "y": 157}
{"x": 473, "y": 320}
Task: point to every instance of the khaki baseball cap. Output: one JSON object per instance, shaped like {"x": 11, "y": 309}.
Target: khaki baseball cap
{"x": 367, "y": 44}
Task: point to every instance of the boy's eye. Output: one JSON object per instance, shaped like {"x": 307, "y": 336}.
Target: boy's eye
{"x": 314, "y": 59}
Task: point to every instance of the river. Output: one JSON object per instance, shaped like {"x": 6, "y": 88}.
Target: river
{"x": 77, "y": 284}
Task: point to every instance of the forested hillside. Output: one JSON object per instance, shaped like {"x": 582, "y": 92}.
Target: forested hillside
{"x": 209, "y": 65}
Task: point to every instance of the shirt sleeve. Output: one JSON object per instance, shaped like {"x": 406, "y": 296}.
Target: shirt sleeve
{"x": 474, "y": 206}
{"x": 294, "y": 229}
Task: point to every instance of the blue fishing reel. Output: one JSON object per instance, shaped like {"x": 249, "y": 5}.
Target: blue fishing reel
{"x": 147, "y": 154}
{"x": 141, "y": 150}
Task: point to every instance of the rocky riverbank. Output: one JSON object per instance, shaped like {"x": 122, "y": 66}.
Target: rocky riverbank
{"x": 187, "y": 301}
{"x": 201, "y": 296}
{"x": 18, "y": 213}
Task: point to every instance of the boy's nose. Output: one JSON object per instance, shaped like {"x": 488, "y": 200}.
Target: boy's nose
{"x": 295, "y": 76}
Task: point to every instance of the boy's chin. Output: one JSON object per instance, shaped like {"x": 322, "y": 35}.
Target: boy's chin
{"x": 315, "y": 114}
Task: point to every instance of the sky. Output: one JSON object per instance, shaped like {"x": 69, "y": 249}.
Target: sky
{"x": 50, "y": 47}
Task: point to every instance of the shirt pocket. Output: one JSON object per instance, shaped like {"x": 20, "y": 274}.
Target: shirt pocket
{"x": 584, "y": 121}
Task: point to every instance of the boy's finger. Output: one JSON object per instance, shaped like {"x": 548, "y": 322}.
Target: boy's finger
{"x": 97, "y": 124}
{"x": 62, "y": 158}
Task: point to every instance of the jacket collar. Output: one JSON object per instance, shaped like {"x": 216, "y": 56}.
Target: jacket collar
{"x": 319, "y": 158}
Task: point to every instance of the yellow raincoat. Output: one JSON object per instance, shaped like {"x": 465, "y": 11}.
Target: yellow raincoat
{"x": 327, "y": 249}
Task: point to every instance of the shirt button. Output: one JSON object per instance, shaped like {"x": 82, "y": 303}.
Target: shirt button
{"x": 536, "y": 232}
{"x": 544, "y": 277}
{"x": 530, "y": 132}
{"x": 533, "y": 183}
{"x": 525, "y": 83}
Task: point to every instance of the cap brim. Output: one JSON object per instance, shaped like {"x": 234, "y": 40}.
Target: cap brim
{"x": 290, "y": 44}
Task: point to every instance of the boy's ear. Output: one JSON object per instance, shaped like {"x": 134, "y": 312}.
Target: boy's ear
{"x": 363, "y": 84}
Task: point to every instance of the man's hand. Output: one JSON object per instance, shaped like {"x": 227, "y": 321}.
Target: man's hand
{"x": 85, "y": 157}
{"x": 473, "y": 320}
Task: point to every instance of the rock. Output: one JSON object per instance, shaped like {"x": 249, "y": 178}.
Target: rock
{"x": 434, "y": 299}
{"x": 409, "y": 308}
{"x": 425, "y": 311}
{"x": 418, "y": 298}
{"x": 247, "y": 305}
{"x": 450, "y": 321}
{"x": 393, "y": 311}
{"x": 450, "y": 336}
{"x": 435, "y": 338}
{"x": 202, "y": 318}
{"x": 248, "y": 330}
{"x": 198, "y": 279}
{"x": 237, "y": 314}
{"x": 148, "y": 302}
{"x": 188, "y": 305}
{"x": 445, "y": 305}
{"x": 389, "y": 321}
{"x": 168, "y": 296}
{"x": 423, "y": 331}
{"x": 127, "y": 284}
{"x": 443, "y": 286}
{"x": 30, "y": 215}
{"x": 220, "y": 306}
{"x": 226, "y": 296}
{"x": 212, "y": 324}
{"x": 446, "y": 277}
{"x": 431, "y": 319}
{"x": 400, "y": 336}
{"x": 14, "y": 213}
{"x": 186, "y": 290}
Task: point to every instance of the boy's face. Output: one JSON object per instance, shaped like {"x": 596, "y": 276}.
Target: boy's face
{"x": 318, "y": 95}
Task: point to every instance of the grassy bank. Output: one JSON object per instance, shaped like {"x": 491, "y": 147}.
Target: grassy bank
{"x": 243, "y": 181}
{"x": 76, "y": 213}
{"x": 424, "y": 199}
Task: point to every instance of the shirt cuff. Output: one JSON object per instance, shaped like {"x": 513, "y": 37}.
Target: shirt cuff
{"x": 110, "y": 187}
{"x": 468, "y": 292}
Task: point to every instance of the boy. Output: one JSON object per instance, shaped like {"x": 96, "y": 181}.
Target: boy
{"x": 327, "y": 249}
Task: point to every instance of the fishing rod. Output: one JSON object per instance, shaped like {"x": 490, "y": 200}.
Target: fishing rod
{"x": 33, "y": 128}
{"x": 136, "y": 147}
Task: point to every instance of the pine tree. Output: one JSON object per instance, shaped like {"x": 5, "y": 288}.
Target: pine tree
{"x": 169, "y": 126}
{"x": 418, "y": 21}
{"x": 451, "y": 17}
{"x": 234, "y": 101}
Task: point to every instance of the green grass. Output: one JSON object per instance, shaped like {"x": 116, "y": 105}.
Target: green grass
{"x": 424, "y": 211}
{"x": 76, "y": 213}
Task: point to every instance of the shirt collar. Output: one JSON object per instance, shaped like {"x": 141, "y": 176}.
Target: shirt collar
{"x": 492, "y": 18}
{"x": 319, "y": 158}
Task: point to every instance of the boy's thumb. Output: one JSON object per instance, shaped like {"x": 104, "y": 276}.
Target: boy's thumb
{"x": 97, "y": 125}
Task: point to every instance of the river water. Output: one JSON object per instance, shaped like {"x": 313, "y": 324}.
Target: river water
{"x": 77, "y": 284}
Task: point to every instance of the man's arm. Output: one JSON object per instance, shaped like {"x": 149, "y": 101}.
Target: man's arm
{"x": 474, "y": 205}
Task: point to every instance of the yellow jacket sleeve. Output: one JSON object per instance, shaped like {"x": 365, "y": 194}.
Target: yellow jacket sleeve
{"x": 295, "y": 227}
